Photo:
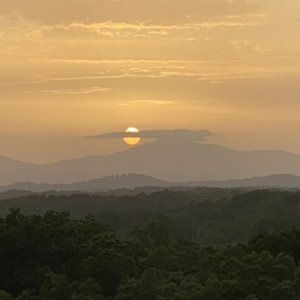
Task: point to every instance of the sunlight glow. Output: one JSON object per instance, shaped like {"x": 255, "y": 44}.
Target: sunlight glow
{"x": 131, "y": 140}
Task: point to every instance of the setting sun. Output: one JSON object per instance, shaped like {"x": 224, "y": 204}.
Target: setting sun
{"x": 131, "y": 137}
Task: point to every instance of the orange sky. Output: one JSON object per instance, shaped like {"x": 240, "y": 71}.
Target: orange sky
{"x": 77, "y": 68}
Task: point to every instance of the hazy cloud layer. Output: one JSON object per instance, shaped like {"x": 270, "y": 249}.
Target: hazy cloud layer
{"x": 161, "y": 135}
{"x": 156, "y": 11}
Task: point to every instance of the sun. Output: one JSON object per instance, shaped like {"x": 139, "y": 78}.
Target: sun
{"x": 131, "y": 137}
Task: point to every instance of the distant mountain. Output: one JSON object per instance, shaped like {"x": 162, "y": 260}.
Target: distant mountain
{"x": 130, "y": 181}
{"x": 170, "y": 161}
{"x": 186, "y": 162}
{"x": 17, "y": 171}
{"x": 142, "y": 183}
{"x": 280, "y": 181}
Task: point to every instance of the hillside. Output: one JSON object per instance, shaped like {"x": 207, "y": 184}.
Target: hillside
{"x": 136, "y": 183}
{"x": 175, "y": 162}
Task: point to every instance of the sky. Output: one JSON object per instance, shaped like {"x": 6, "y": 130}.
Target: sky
{"x": 77, "y": 68}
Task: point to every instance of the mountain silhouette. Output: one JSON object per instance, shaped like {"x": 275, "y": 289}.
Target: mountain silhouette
{"x": 129, "y": 181}
{"x": 169, "y": 161}
{"x": 280, "y": 181}
{"x": 187, "y": 161}
{"x": 141, "y": 183}
{"x": 12, "y": 171}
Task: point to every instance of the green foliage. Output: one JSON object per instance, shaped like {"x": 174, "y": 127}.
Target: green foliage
{"x": 55, "y": 287}
{"x": 54, "y": 256}
{"x": 208, "y": 216}
{"x": 5, "y": 296}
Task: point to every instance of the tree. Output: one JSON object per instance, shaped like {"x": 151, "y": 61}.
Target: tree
{"x": 5, "y": 296}
{"x": 56, "y": 287}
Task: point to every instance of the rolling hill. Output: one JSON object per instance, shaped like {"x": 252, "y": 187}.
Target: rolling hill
{"x": 179, "y": 162}
{"x": 137, "y": 183}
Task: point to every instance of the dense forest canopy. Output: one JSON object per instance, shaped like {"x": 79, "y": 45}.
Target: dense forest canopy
{"x": 209, "y": 244}
{"x": 208, "y": 216}
{"x": 56, "y": 257}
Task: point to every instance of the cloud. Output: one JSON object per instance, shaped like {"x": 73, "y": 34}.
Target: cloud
{"x": 151, "y": 11}
{"x": 181, "y": 135}
{"x": 90, "y": 90}
{"x": 154, "y": 102}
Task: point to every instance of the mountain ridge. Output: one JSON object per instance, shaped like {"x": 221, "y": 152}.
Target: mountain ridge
{"x": 172, "y": 161}
{"x": 134, "y": 181}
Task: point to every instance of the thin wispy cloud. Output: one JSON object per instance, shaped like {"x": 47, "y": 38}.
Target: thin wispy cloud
{"x": 161, "y": 134}
{"x": 154, "y": 11}
{"x": 153, "y": 102}
{"x": 91, "y": 90}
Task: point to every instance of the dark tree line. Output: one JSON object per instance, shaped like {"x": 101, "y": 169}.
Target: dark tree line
{"x": 206, "y": 216}
{"x": 53, "y": 256}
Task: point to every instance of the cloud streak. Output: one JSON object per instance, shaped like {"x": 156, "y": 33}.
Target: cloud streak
{"x": 126, "y": 11}
{"x": 179, "y": 135}
{"x": 90, "y": 90}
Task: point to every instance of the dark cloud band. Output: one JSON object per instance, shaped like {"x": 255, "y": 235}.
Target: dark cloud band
{"x": 178, "y": 134}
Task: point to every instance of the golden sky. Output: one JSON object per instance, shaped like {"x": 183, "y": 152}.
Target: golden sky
{"x": 76, "y": 68}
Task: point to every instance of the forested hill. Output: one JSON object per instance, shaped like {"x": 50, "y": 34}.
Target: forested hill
{"x": 208, "y": 216}
{"x": 54, "y": 257}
